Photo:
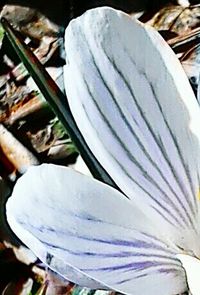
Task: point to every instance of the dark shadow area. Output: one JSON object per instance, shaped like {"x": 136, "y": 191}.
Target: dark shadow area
{"x": 62, "y": 11}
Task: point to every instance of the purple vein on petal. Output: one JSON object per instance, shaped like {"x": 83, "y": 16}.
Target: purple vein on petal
{"x": 134, "y": 266}
{"x": 117, "y": 242}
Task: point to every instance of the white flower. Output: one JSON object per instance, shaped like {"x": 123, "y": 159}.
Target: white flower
{"x": 134, "y": 106}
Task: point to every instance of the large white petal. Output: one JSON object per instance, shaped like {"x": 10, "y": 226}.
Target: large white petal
{"x": 192, "y": 268}
{"x": 79, "y": 226}
{"x": 133, "y": 104}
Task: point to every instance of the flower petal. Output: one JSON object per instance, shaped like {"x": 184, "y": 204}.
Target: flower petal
{"x": 72, "y": 222}
{"x": 192, "y": 268}
{"x": 133, "y": 104}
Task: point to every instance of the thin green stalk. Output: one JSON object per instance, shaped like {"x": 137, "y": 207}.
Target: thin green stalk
{"x": 57, "y": 101}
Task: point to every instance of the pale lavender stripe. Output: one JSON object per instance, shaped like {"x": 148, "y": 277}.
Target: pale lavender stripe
{"x": 161, "y": 270}
{"x": 130, "y": 254}
{"x": 115, "y": 67}
{"x": 124, "y": 170}
{"x": 134, "y": 266}
{"x": 176, "y": 195}
{"x": 135, "y": 244}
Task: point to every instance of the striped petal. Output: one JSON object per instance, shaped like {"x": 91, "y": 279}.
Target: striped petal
{"x": 82, "y": 228}
{"x": 133, "y": 104}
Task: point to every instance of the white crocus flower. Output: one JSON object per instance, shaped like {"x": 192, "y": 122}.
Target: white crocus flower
{"x": 134, "y": 106}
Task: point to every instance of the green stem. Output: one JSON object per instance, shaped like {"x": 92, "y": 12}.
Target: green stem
{"x": 57, "y": 101}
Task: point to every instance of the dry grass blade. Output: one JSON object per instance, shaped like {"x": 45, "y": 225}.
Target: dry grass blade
{"x": 17, "y": 154}
{"x": 180, "y": 41}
